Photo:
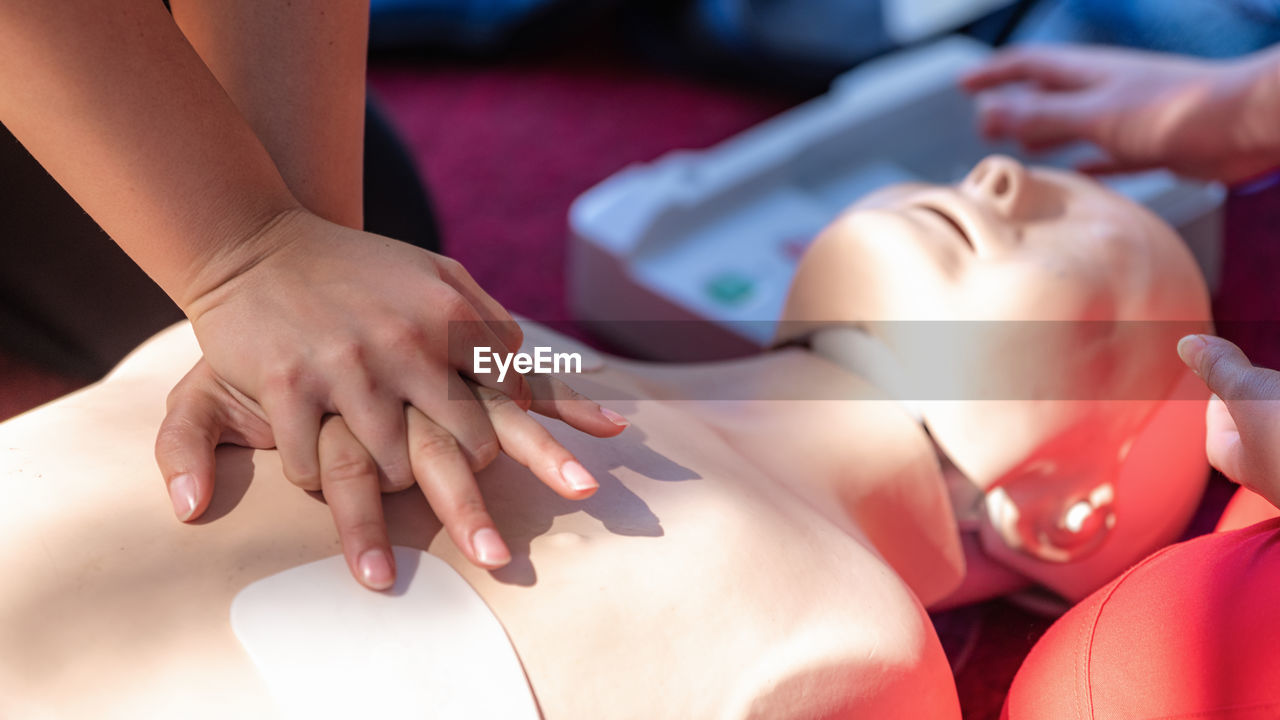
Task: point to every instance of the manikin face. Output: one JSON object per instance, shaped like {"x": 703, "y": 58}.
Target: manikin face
{"x": 1007, "y": 243}
{"x": 1031, "y": 314}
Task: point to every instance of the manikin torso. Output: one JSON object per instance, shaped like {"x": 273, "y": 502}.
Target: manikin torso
{"x": 693, "y": 569}
{"x": 742, "y": 558}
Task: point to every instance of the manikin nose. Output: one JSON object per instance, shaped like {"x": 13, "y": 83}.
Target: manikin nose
{"x": 998, "y": 181}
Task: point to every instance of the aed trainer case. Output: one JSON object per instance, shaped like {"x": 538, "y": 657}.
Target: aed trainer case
{"x": 690, "y": 256}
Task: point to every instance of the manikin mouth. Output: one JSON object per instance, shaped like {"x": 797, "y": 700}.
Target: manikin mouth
{"x": 951, "y": 221}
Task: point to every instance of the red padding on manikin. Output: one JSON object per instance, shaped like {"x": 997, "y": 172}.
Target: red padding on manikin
{"x": 1192, "y": 631}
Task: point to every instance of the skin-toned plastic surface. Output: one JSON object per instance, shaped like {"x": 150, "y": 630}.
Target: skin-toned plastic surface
{"x": 1033, "y": 316}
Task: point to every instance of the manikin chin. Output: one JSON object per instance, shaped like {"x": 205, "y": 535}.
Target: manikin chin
{"x": 975, "y": 393}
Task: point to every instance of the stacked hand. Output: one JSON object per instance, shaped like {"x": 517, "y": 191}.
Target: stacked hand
{"x": 349, "y": 352}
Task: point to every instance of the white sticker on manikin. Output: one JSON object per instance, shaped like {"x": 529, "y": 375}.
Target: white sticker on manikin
{"x": 429, "y": 647}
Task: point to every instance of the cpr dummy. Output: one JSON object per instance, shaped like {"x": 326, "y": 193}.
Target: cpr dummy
{"x": 765, "y": 535}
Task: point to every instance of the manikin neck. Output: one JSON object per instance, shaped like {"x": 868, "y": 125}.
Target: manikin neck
{"x": 864, "y": 355}
{"x": 867, "y": 357}
{"x": 1081, "y": 527}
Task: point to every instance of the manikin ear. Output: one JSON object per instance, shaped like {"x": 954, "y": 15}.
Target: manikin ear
{"x": 1050, "y": 517}
{"x": 1157, "y": 488}
{"x": 1055, "y": 503}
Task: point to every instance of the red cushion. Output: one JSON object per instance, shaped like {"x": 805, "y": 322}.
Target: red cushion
{"x": 1192, "y": 631}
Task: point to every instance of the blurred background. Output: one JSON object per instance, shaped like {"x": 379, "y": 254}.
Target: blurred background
{"x": 489, "y": 117}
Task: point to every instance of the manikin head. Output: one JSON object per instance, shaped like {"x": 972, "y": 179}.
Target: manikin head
{"x": 1032, "y": 316}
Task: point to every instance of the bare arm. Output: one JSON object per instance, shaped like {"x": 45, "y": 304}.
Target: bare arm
{"x": 296, "y": 70}
{"x": 179, "y": 155}
{"x": 119, "y": 108}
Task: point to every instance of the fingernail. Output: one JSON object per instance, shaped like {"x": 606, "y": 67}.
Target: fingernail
{"x": 577, "y": 477}
{"x": 614, "y": 417}
{"x": 182, "y": 493}
{"x": 489, "y": 548}
{"x": 993, "y": 117}
{"x": 1189, "y": 349}
{"x": 375, "y": 569}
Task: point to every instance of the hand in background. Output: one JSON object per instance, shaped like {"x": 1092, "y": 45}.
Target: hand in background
{"x": 204, "y": 412}
{"x": 1243, "y": 416}
{"x": 1211, "y": 120}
